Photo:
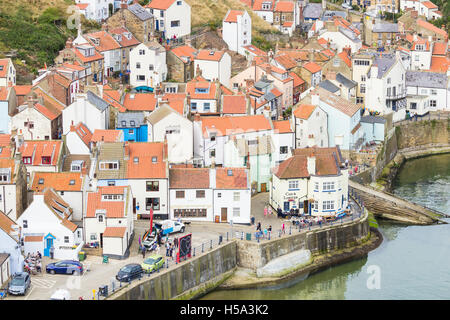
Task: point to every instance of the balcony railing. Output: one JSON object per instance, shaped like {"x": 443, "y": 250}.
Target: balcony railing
{"x": 396, "y": 96}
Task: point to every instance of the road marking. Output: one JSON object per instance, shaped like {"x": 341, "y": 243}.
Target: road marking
{"x": 42, "y": 283}
{"x": 29, "y": 292}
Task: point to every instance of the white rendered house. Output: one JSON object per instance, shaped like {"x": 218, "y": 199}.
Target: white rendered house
{"x": 148, "y": 65}
{"x": 97, "y": 10}
{"x": 213, "y": 65}
{"x": 310, "y": 125}
{"x": 237, "y": 30}
{"x": 172, "y": 17}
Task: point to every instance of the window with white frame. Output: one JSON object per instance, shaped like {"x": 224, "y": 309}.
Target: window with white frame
{"x": 328, "y": 205}
{"x": 433, "y": 103}
{"x": 236, "y": 196}
{"x": 433, "y": 92}
{"x": 293, "y": 184}
{"x": 316, "y": 186}
{"x": 109, "y": 165}
{"x": 66, "y": 239}
{"x": 327, "y": 186}
{"x": 93, "y": 236}
{"x": 362, "y": 88}
{"x": 236, "y": 212}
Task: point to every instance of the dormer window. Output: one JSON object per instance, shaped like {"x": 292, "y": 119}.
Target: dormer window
{"x": 136, "y": 160}
{"x": 229, "y": 172}
{"x": 132, "y": 123}
{"x": 26, "y": 160}
{"x": 100, "y": 218}
{"x": 109, "y": 165}
{"x": 112, "y": 197}
{"x": 124, "y": 123}
{"x": 71, "y": 182}
{"x": 201, "y": 90}
{"x": 46, "y": 160}
{"x": 41, "y": 181}
{"x": 154, "y": 159}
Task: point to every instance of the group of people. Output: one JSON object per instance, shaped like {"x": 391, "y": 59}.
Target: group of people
{"x": 263, "y": 233}
{"x": 32, "y": 263}
{"x": 160, "y": 238}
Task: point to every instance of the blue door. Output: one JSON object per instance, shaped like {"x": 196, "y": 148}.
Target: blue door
{"x": 286, "y": 206}
{"x": 157, "y": 25}
{"x": 49, "y": 243}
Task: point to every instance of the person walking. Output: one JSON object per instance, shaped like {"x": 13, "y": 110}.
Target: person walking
{"x": 258, "y": 227}
{"x": 143, "y": 252}
{"x": 269, "y": 211}
{"x": 265, "y": 211}
{"x": 176, "y": 242}
{"x": 283, "y": 228}
{"x": 279, "y": 212}
{"x": 167, "y": 249}
{"x": 171, "y": 251}
{"x": 52, "y": 252}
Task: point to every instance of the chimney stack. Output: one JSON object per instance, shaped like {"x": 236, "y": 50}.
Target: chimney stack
{"x": 311, "y": 165}
{"x": 124, "y": 4}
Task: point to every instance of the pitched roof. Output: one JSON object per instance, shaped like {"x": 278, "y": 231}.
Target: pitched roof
{"x": 234, "y": 104}
{"x": 60, "y": 181}
{"x": 140, "y": 101}
{"x": 286, "y": 61}
{"x": 257, "y": 5}
{"x": 439, "y": 64}
{"x": 160, "y": 4}
{"x": 228, "y": 125}
{"x": 440, "y": 48}
{"x": 432, "y": 27}
{"x": 84, "y": 59}
{"x": 139, "y": 12}
{"x": 96, "y": 101}
{"x": 429, "y": 5}
{"x": 328, "y": 85}
{"x": 141, "y": 164}
{"x": 4, "y": 71}
{"x": 231, "y": 178}
{"x": 6, "y": 224}
{"x": 232, "y": 15}
{"x": 106, "y": 135}
{"x": 106, "y": 41}
{"x": 186, "y": 53}
{"x": 201, "y": 83}
{"x": 83, "y": 132}
{"x": 344, "y": 57}
{"x": 304, "y": 111}
{"x": 284, "y": 6}
{"x": 41, "y": 148}
{"x": 255, "y": 50}
{"x": 189, "y": 178}
{"x": 23, "y": 90}
{"x": 49, "y": 113}
{"x": 4, "y": 93}
{"x": 337, "y": 102}
{"x": 312, "y": 67}
{"x": 283, "y": 126}
{"x": 297, "y": 80}
{"x": 114, "y": 232}
{"x": 58, "y": 206}
{"x": 112, "y": 208}
{"x": 127, "y": 39}
{"x": 211, "y": 55}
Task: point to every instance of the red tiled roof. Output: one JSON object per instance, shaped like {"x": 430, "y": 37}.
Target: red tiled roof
{"x": 322, "y": 41}
{"x": 125, "y": 42}
{"x": 6, "y": 224}
{"x": 160, "y": 4}
{"x": 304, "y": 111}
{"x": 4, "y": 63}
{"x": 37, "y": 149}
{"x": 107, "y": 42}
{"x": 82, "y": 6}
{"x": 3, "y": 93}
{"x": 288, "y": 24}
{"x": 113, "y": 208}
{"x": 257, "y": 5}
{"x": 232, "y": 15}
{"x": 23, "y": 90}
{"x": 5, "y": 139}
{"x": 189, "y": 178}
{"x": 145, "y": 167}
{"x": 344, "y": 57}
{"x": 140, "y": 101}
{"x": 297, "y": 80}
{"x": 79, "y": 55}
{"x": 284, "y": 6}
{"x": 175, "y": 100}
{"x": 232, "y": 125}
{"x": 225, "y": 90}
{"x": 106, "y": 135}
{"x": 114, "y": 232}
{"x": 49, "y": 113}
{"x": 60, "y": 181}
{"x": 200, "y": 82}
{"x": 439, "y": 48}
{"x": 84, "y": 133}
{"x": 255, "y": 50}
{"x": 283, "y": 126}
{"x": 234, "y": 104}
{"x": 432, "y": 28}
{"x": 429, "y": 5}
{"x": 439, "y": 64}
{"x": 312, "y": 67}
{"x": 237, "y": 179}
{"x": 185, "y": 53}
{"x": 286, "y": 61}
{"x": 206, "y": 55}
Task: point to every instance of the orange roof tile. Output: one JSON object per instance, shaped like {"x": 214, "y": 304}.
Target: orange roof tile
{"x": 106, "y": 135}
{"x": 175, "y": 100}
{"x": 232, "y": 15}
{"x": 23, "y": 90}
{"x": 4, "y": 71}
{"x": 439, "y": 64}
{"x": 257, "y": 5}
{"x": 234, "y": 104}
{"x": 200, "y": 82}
{"x": 6, "y": 224}
{"x": 79, "y": 55}
{"x": 3, "y": 93}
{"x": 284, "y": 6}
{"x": 160, "y": 4}
{"x": 276, "y": 92}
{"x": 225, "y": 90}
{"x": 286, "y": 61}
{"x": 114, "y": 232}
{"x": 34, "y": 238}
{"x": 5, "y": 139}
{"x": 429, "y": 5}
{"x": 113, "y": 208}
{"x": 140, "y": 101}
{"x": 127, "y": 39}
{"x": 283, "y": 126}
{"x": 297, "y": 80}
{"x": 60, "y": 181}
{"x": 189, "y": 178}
{"x": 322, "y": 41}
{"x": 206, "y": 55}
{"x": 255, "y": 50}
{"x": 237, "y": 180}
{"x": 312, "y": 67}
{"x": 304, "y": 111}
{"x": 344, "y": 57}
{"x": 47, "y": 112}
{"x": 38, "y": 149}
{"x": 233, "y": 125}
{"x": 185, "y": 53}
{"x": 439, "y": 48}
{"x": 432, "y": 28}
{"x": 82, "y": 6}
{"x": 84, "y": 133}
{"x": 288, "y": 24}
{"x": 145, "y": 168}
{"x": 107, "y": 42}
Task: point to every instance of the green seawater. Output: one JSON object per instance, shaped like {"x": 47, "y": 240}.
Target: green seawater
{"x": 413, "y": 262}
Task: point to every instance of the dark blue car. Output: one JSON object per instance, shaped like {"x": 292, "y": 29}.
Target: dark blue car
{"x": 65, "y": 267}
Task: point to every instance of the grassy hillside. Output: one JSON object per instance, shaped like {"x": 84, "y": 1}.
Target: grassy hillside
{"x": 444, "y": 7}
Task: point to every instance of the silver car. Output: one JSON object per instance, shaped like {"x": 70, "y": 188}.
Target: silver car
{"x": 19, "y": 283}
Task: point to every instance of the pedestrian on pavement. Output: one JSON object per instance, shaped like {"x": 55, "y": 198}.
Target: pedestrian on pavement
{"x": 158, "y": 238}
{"x": 258, "y": 227}
{"x": 52, "y": 252}
{"x": 270, "y": 229}
{"x": 265, "y": 211}
{"x": 143, "y": 252}
{"x": 176, "y": 242}
{"x": 265, "y": 233}
{"x": 39, "y": 266}
{"x": 283, "y": 228}
{"x": 269, "y": 210}
{"x": 171, "y": 251}
{"x": 279, "y": 212}
{"x": 167, "y": 249}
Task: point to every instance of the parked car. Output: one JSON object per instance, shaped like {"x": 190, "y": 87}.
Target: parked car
{"x": 152, "y": 263}
{"x": 347, "y": 6}
{"x": 60, "y": 294}
{"x": 129, "y": 272}
{"x": 65, "y": 267}
{"x": 170, "y": 226}
{"x": 19, "y": 283}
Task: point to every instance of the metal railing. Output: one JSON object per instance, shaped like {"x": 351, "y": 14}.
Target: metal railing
{"x": 431, "y": 115}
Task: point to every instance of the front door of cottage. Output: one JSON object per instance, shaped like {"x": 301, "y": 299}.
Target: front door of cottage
{"x": 223, "y": 215}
